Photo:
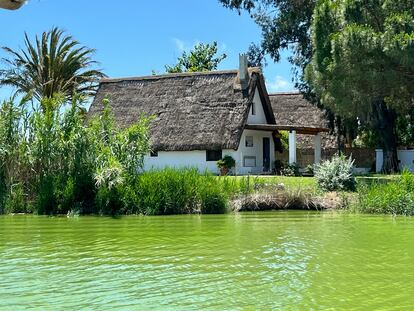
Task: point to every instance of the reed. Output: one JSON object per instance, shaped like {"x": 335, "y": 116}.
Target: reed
{"x": 395, "y": 197}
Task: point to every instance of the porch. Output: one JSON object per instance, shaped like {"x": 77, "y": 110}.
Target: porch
{"x": 293, "y": 131}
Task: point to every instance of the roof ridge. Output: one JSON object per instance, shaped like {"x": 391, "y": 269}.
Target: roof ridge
{"x": 169, "y": 75}
{"x": 285, "y": 93}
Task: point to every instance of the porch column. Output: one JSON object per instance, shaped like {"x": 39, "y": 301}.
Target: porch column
{"x": 292, "y": 147}
{"x": 318, "y": 149}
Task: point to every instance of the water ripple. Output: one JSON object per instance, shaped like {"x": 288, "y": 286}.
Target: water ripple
{"x": 252, "y": 261}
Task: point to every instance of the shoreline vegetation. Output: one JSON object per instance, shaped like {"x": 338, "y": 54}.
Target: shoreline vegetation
{"x": 55, "y": 161}
{"x": 186, "y": 191}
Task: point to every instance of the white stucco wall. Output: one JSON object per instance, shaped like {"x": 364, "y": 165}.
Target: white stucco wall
{"x": 406, "y": 158}
{"x": 259, "y": 117}
{"x": 197, "y": 158}
{"x": 183, "y": 159}
{"x": 255, "y": 151}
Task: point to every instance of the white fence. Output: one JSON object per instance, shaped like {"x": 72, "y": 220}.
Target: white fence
{"x": 405, "y": 157}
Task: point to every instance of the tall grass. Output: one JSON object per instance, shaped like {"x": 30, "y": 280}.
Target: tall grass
{"x": 395, "y": 197}
{"x": 182, "y": 191}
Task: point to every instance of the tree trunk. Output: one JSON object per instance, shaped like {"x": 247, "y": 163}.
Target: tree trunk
{"x": 384, "y": 123}
{"x": 340, "y": 135}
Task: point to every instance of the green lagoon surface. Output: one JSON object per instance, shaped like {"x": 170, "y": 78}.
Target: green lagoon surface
{"x": 248, "y": 261}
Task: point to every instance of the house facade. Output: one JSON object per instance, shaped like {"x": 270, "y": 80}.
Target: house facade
{"x": 255, "y": 153}
{"x": 199, "y": 117}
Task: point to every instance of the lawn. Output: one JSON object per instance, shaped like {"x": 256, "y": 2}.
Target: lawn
{"x": 288, "y": 182}
{"x": 303, "y": 183}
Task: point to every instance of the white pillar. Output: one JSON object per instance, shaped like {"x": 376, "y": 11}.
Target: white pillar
{"x": 318, "y": 147}
{"x": 378, "y": 160}
{"x": 292, "y": 147}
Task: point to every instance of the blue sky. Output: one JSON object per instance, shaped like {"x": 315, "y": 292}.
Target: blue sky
{"x": 134, "y": 37}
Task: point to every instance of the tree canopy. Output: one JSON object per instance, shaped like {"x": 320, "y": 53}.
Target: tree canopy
{"x": 363, "y": 62}
{"x": 203, "y": 57}
{"x": 285, "y": 24}
{"x": 53, "y": 63}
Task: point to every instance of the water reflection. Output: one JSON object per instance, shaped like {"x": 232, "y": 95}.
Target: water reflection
{"x": 284, "y": 260}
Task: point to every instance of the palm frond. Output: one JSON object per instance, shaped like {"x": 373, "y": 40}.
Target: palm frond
{"x": 53, "y": 63}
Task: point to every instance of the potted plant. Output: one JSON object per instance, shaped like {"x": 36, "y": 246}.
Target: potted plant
{"x": 226, "y": 164}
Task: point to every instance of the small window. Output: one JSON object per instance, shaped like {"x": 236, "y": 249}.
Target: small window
{"x": 249, "y": 141}
{"x": 154, "y": 154}
{"x": 213, "y": 155}
{"x": 253, "y": 108}
{"x": 249, "y": 161}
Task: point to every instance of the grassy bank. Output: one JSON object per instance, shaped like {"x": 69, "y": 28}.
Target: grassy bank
{"x": 186, "y": 191}
{"x": 387, "y": 196}
{"x": 178, "y": 191}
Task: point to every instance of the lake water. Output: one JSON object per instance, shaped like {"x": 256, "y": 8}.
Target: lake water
{"x": 249, "y": 261}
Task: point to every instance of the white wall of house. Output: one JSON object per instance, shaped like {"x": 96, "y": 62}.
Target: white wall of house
{"x": 184, "y": 159}
{"x": 245, "y": 156}
{"x": 259, "y": 117}
{"x": 406, "y": 158}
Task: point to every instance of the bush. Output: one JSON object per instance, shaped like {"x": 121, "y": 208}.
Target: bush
{"x": 336, "y": 174}
{"x": 16, "y": 201}
{"x": 291, "y": 170}
{"x": 395, "y": 197}
{"x": 226, "y": 164}
{"x": 278, "y": 167}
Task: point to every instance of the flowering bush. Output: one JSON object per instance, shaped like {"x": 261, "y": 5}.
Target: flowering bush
{"x": 336, "y": 174}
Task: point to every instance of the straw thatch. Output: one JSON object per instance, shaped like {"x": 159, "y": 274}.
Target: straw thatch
{"x": 293, "y": 109}
{"x": 193, "y": 111}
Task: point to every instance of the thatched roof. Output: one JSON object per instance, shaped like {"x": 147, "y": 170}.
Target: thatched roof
{"x": 292, "y": 109}
{"x": 193, "y": 111}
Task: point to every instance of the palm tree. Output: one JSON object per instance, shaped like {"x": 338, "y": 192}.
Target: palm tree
{"x": 55, "y": 63}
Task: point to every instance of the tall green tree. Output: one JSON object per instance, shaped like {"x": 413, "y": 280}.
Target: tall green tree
{"x": 285, "y": 25}
{"x": 203, "y": 57}
{"x": 363, "y": 63}
{"x": 53, "y": 63}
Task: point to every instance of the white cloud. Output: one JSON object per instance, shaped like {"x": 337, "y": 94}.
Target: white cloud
{"x": 280, "y": 84}
{"x": 179, "y": 44}
{"x": 182, "y": 45}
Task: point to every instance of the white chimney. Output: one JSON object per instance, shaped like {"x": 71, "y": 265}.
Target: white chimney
{"x": 243, "y": 71}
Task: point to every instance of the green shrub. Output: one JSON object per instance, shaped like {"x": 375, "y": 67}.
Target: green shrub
{"x": 336, "y": 174}
{"x": 278, "y": 167}
{"x": 226, "y": 164}
{"x": 16, "y": 201}
{"x": 291, "y": 170}
{"x": 108, "y": 201}
{"x": 395, "y": 197}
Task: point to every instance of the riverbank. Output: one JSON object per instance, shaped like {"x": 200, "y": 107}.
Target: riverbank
{"x": 171, "y": 191}
{"x": 292, "y": 200}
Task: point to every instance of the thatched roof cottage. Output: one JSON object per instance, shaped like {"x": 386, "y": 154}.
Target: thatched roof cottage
{"x": 201, "y": 117}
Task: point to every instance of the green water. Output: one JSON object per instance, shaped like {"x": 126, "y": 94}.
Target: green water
{"x": 261, "y": 261}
